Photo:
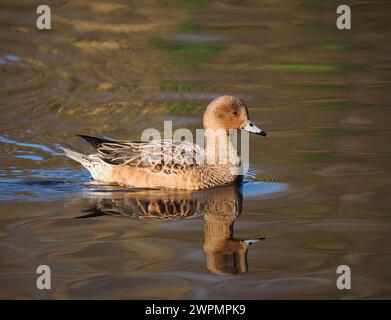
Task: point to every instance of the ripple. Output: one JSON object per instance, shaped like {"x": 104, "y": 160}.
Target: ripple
{"x": 12, "y": 58}
{"x": 49, "y": 184}
{"x": 43, "y": 148}
{"x": 30, "y": 157}
{"x": 20, "y": 190}
{"x": 257, "y": 189}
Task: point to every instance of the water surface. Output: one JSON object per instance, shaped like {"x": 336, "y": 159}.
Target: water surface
{"x": 317, "y": 195}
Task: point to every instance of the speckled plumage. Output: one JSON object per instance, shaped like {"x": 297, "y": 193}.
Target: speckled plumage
{"x": 170, "y": 163}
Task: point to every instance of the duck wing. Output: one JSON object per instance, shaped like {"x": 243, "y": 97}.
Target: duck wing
{"x": 158, "y": 155}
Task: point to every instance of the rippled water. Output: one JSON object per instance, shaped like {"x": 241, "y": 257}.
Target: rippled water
{"x": 318, "y": 193}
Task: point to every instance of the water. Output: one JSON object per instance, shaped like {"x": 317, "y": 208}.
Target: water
{"x": 318, "y": 193}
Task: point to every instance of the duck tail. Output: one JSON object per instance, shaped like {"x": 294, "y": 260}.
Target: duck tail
{"x": 97, "y": 167}
{"x": 79, "y": 157}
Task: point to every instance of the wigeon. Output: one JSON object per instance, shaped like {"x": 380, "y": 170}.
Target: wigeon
{"x": 174, "y": 164}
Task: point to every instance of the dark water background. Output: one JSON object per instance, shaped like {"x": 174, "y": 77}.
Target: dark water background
{"x": 319, "y": 184}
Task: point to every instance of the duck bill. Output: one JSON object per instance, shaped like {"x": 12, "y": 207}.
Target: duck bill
{"x": 251, "y": 127}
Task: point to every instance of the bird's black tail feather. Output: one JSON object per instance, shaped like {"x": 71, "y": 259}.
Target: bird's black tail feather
{"x": 94, "y": 141}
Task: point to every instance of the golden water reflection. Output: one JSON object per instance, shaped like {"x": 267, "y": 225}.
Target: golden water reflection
{"x": 219, "y": 207}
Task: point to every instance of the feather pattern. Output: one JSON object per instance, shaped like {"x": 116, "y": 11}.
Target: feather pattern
{"x": 168, "y": 156}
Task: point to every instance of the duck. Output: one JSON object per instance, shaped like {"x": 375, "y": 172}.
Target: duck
{"x": 174, "y": 164}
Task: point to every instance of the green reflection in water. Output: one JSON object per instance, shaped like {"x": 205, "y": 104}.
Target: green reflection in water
{"x": 188, "y": 55}
{"x": 188, "y": 26}
{"x": 313, "y": 26}
{"x": 193, "y": 49}
{"x": 337, "y": 133}
{"x": 311, "y": 5}
{"x": 306, "y": 68}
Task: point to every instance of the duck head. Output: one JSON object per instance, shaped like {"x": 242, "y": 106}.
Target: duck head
{"x": 229, "y": 112}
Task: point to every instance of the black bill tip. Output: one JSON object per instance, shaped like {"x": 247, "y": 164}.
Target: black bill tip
{"x": 262, "y": 133}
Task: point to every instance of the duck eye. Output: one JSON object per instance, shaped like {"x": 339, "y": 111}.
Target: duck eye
{"x": 235, "y": 113}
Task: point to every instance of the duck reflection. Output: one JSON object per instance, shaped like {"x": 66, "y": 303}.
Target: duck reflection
{"x": 220, "y": 207}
